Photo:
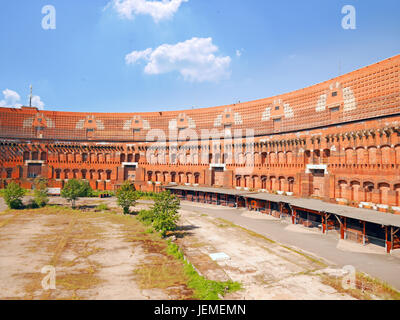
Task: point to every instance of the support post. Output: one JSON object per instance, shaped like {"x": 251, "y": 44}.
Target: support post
{"x": 386, "y": 240}
{"x": 341, "y": 227}
{"x": 364, "y": 233}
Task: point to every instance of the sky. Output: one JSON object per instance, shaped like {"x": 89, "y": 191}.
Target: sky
{"x": 139, "y": 56}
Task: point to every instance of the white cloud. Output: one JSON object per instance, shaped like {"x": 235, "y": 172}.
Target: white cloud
{"x": 11, "y": 99}
{"x": 36, "y": 102}
{"x": 239, "y": 53}
{"x": 194, "y": 59}
{"x": 159, "y": 10}
{"x": 134, "y": 56}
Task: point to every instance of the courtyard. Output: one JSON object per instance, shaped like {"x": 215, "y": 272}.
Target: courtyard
{"x": 102, "y": 254}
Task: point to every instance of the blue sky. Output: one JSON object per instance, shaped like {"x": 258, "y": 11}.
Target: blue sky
{"x": 239, "y": 50}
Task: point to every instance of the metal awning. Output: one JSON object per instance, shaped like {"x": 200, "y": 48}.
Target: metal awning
{"x": 373, "y": 216}
{"x": 231, "y": 192}
{"x": 368, "y": 215}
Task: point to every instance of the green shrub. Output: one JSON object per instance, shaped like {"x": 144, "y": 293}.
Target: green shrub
{"x": 204, "y": 289}
{"x": 13, "y": 195}
{"x": 85, "y": 189}
{"x": 97, "y": 193}
{"x": 75, "y": 189}
{"x": 149, "y": 230}
{"x": 146, "y": 216}
{"x": 126, "y": 196}
{"x": 165, "y": 210}
{"x": 102, "y": 207}
{"x": 32, "y": 204}
{"x": 40, "y": 197}
{"x": 146, "y": 195}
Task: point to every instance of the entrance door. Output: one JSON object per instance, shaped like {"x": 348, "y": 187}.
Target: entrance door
{"x": 130, "y": 173}
{"x": 34, "y": 170}
{"x": 217, "y": 177}
{"x": 318, "y": 185}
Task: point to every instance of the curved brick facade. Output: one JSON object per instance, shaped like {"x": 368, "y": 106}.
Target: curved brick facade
{"x": 335, "y": 140}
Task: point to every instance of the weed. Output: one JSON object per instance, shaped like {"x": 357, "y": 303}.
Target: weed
{"x": 203, "y": 288}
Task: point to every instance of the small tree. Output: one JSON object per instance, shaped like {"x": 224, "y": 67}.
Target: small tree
{"x": 72, "y": 190}
{"x": 86, "y": 189}
{"x": 13, "y": 195}
{"x": 127, "y": 196}
{"x": 166, "y": 214}
{"x": 40, "y": 193}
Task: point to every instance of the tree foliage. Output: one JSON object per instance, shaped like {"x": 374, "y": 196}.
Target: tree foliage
{"x": 40, "y": 196}
{"x": 13, "y": 195}
{"x": 165, "y": 212}
{"x": 127, "y": 196}
{"x": 75, "y": 189}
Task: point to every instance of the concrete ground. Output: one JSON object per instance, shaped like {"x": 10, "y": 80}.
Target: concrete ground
{"x": 94, "y": 254}
{"x": 369, "y": 259}
{"x": 95, "y": 257}
{"x": 267, "y": 271}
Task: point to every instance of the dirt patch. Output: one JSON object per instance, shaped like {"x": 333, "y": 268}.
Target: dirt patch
{"x": 266, "y": 269}
{"x": 95, "y": 255}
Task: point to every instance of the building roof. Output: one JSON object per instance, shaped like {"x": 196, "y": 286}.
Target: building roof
{"x": 232, "y": 192}
{"x": 373, "y": 216}
{"x": 302, "y": 109}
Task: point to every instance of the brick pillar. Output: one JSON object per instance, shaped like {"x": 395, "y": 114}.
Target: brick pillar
{"x": 332, "y": 187}
{"x": 376, "y": 196}
{"x": 284, "y": 185}
{"x": 306, "y": 183}
{"x": 272, "y": 184}
{"x": 257, "y": 183}
{"x": 228, "y": 178}
{"x": 392, "y": 198}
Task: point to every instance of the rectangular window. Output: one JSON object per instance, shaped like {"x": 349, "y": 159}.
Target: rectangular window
{"x": 334, "y": 94}
{"x": 34, "y": 170}
{"x": 335, "y": 109}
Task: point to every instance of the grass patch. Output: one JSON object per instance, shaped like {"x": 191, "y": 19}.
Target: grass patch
{"x": 203, "y": 288}
{"x": 366, "y": 288}
{"x": 79, "y": 281}
{"x": 161, "y": 273}
{"x": 102, "y": 207}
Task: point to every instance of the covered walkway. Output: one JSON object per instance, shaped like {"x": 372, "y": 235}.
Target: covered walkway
{"x": 357, "y": 224}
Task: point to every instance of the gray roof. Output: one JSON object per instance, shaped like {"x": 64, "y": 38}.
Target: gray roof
{"x": 232, "y": 192}
{"x": 373, "y": 216}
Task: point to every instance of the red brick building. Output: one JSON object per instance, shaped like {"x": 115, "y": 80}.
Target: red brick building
{"x": 337, "y": 140}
